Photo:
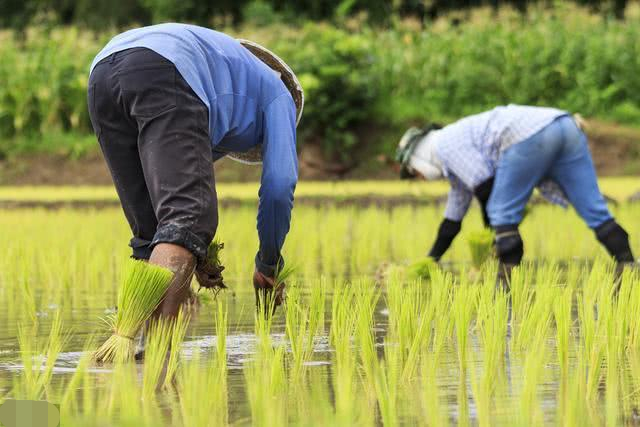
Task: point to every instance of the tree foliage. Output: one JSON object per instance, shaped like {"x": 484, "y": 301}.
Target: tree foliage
{"x": 108, "y": 13}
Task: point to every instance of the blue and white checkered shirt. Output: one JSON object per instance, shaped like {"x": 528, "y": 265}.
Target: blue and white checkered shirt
{"x": 470, "y": 148}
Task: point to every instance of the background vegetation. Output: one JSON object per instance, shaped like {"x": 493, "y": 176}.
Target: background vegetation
{"x": 105, "y": 14}
{"x": 365, "y": 78}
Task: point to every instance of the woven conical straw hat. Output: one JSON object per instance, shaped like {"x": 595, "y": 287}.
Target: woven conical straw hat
{"x": 254, "y": 155}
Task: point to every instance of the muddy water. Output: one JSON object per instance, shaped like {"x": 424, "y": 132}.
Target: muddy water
{"x": 241, "y": 344}
{"x": 456, "y": 390}
{"x": 83, "y": 323}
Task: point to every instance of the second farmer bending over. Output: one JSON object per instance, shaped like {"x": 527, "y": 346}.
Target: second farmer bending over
{"x": 499, "y": 156}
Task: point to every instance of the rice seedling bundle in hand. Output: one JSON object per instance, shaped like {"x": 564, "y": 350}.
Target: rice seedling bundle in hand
{"x": 481, "y": 246}
{"x": 209, "y": 272}
{"x": 421, "y": 270}
{"x": 142, "y": 289}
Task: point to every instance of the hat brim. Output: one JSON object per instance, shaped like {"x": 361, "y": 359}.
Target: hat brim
{"x": 288, "y": 77}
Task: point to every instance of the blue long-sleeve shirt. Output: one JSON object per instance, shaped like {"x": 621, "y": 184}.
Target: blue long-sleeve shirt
{"x": 248, "y": 105}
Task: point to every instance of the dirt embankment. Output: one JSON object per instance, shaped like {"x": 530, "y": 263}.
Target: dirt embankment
{"x": 616, "y": 151}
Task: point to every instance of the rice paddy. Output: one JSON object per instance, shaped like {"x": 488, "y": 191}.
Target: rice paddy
{"x": 367, "y": 336}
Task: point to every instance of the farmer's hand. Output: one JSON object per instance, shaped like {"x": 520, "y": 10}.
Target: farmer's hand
{"x": 267, "y": 291}
{"x": 209, "y": 276}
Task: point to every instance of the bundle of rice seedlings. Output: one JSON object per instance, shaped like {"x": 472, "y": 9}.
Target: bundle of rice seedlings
{"x": 267, "y": 300}
{"x": 422, "y": 269}
{"x": 213, "y": 253}
{"x": 481, "y": 246}
{"x": 283, "y": 274}
{"x": 142, "y": 289}
{"x": 209, "y": 273}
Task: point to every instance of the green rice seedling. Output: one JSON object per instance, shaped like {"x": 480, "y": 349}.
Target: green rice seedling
{"x": 352, "y": 308}
{"x": 202, "y": 385}
{"x": 538, "y": 316}
{"x": 533, "y": 372}
{"x": 480, "y": 246}
{"x": 365, "y": 305}
{"x": 213, "y": 252}
{"x": 265, "y": 377}
{"x": 443, "y": 321}
{"x": 156, "y": 356}
{"x": 296, "y": 327}
{"x": 37, "y": 360}
{"x": 521, "y": 291}
{"x": 267, "y": 387}
{"x": 404, "y": 303}
{"x": 302, "y": 324}
{"x": 633, "y": 362}
{"x": 141, "y": 291}
{"x": 369, "y": 241}
{"x": 433, "y": 410}
{"x": 462, "y": 399}
{"x": 592, "y": 346}
{"x": 422, "y": 270}
{"x": 69, "y": 400}
{"x": 284, "y": 274}
{"x": 574, "y": 407}
{"x": 612, "y": 312}
{"x": 629, "y": 298}
{"x": 125, "y": 400}
{"x": 431, "y": 330}
{"x": 563, "y": 322}
{"x": 177, "y": 331}
{"x": 464, "y": 306}
{"x": 334, "y": 246}
{"x": 319, "y": 407}
{"x": 613, "y": 389}
{"x": 365, "y": 341}
{"x": 343, "y": 321}
{"x": 386, "y": 385}
{"x": 594, "y": 306}
{"x": 492, "y": 316}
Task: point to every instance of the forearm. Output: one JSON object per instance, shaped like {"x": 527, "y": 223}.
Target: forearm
{"x": 447, "y": 231}
{"x": 274, "y": 217}
{"x": 279, "y": 179}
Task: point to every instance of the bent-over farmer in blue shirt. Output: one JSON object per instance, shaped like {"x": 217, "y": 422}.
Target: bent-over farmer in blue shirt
{"x": 166, "y": 102}
{"x": 499, "y": 157}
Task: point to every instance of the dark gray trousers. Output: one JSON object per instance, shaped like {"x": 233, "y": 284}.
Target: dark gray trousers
{"x": 154, "y": 133}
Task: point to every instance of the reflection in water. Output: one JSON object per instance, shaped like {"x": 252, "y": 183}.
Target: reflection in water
{"x": 457, "y": 385}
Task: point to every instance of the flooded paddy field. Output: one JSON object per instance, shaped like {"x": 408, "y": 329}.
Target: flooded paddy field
{"x": 360, "y": 341}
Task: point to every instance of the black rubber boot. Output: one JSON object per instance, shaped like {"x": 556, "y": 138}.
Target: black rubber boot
{"x": 510, "y": 249}
{"x": 616, "y": 240}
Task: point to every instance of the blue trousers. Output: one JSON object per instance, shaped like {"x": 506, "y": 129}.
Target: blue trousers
{"x": 558, "y": 152}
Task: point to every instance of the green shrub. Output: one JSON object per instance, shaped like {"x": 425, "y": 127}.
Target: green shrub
{"x": 567, "y": 58}
{"x": 337, "y": 72}
{"x": 362, "y": 82}
{"x": 44, "y": 75}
